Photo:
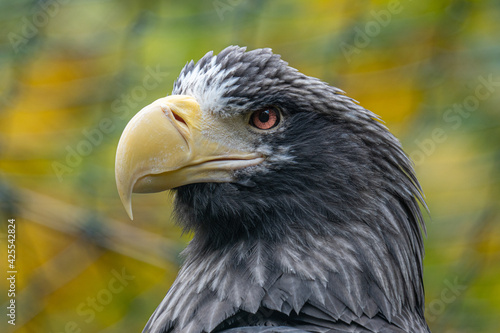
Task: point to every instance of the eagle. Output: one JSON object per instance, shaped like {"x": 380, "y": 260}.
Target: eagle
{"x": 306, "y": 213}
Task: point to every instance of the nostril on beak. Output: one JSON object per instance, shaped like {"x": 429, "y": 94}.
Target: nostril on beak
{"x": 173, "y": 115}
{"x": 176, "y": 120}
{"x": 179, "y": 118}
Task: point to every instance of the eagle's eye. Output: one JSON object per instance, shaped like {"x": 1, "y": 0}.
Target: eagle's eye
{"x": 265, "y": 119}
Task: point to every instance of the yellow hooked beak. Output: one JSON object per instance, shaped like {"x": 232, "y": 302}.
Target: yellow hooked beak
{"x": 167, "y": 145}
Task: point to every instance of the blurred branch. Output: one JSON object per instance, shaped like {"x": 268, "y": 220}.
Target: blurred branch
{"x": 52, "y": 275}
{"x": 112, "y": 234}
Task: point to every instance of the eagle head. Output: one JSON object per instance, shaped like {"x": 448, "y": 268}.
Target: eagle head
{"x": 295, "y": 194}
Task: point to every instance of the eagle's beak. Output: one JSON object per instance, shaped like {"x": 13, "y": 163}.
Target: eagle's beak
{"x": 167, "y": 145}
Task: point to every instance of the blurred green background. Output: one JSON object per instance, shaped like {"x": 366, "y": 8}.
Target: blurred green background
{"x": 73, "y": 72}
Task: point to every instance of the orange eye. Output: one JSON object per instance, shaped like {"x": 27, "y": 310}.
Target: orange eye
{"x": 265, "y": 119}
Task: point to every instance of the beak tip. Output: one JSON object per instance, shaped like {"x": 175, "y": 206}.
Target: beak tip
{"x": 127, "y": 204}
{"x": 126, "y": 199}
{"x": 130, "y": 215}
